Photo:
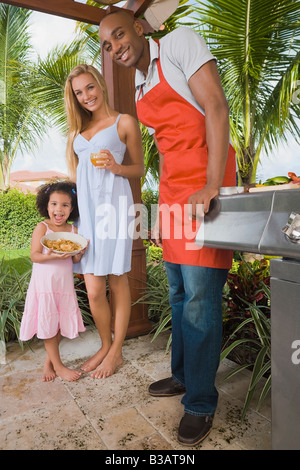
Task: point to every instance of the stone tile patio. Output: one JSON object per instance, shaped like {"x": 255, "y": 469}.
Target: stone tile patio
{"x": 116, "y": 413}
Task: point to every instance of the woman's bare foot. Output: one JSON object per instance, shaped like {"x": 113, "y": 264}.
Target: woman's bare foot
{"x": 68, "y": 374}
{"x": 49, "y": 372}
{"x": 108, "y": 366}
{"x": 94, "y": 361}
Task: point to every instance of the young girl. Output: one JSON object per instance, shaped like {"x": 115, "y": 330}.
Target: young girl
{"x": 104, "y": 200}
{"x": 51, "y": 307}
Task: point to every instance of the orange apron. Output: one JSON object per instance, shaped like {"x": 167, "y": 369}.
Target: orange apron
{"x": 181, "y": 136}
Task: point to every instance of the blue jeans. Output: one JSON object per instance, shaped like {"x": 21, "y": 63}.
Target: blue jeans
{"x": 196, "y": 301}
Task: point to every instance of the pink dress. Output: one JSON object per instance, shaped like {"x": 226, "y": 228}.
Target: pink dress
{"x": 51, "y": 303}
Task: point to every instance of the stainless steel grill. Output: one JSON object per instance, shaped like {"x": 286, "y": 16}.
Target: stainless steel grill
{"x": 261, "y": 222}
{"x": 253, "y": 222}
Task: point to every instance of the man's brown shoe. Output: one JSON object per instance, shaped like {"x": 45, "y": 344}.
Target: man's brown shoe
{"x": 166, "y": 388}
{"x": 193, "y": 429}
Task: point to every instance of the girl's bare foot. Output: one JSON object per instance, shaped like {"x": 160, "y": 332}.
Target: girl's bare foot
{"x": 49, "y": 372}
{"x": 68, "y": 374}
{"x": 108, "y": 366}
{"x": 94, "y": 361}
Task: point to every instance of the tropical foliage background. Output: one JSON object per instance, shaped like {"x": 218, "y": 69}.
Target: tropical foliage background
{"x": 257, "y": 45}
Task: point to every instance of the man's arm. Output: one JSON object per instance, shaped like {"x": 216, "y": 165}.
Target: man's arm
{"x": 206, "y": 86}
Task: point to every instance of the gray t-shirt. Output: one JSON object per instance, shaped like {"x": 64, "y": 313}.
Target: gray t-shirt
{"x": 182, "y": 52}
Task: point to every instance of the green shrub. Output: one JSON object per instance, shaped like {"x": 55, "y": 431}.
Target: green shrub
{"x": 149, "y": 198}
{"x": 83, "y": 300}
{"x": 247, "y": 325}
{"x": 18, "y": 259}
{"x": 13, "y": 289}
{"x": 18, "y": 218}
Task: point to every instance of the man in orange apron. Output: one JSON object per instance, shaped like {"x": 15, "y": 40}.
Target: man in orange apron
{"x": 179, "y": 96}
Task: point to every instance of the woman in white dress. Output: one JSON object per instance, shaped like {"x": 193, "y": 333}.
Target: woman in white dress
{"x": 105, "y": 205}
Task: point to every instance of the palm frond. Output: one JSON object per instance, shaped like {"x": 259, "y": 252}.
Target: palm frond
{"x": 257, "y": 47}
{"x": 51, "y": 77}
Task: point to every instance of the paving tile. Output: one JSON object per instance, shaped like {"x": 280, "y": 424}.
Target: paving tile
{"x": 123, "y": 428}
{"x": 102, "y": 397}
{"x": 141, "y": 346}
{"x": 157, "y": 365}
{"x": 252, "y": 434}
{"x": 18, "y": 359}
{"x": 25, "y": 391}
{"x": 82, "y": 347}
{"x": 165, "y": 414}
{"x": 55, "y": 427}
{"x": 153, "y": 442}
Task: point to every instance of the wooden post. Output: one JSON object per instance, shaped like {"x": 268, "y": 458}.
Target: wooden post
{"x": 121, "y": 92}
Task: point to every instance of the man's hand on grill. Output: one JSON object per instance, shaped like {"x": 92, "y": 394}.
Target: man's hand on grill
{"x": 200, "y": 201}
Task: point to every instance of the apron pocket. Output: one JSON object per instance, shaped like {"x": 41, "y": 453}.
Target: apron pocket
{"x": 184, "y": 168}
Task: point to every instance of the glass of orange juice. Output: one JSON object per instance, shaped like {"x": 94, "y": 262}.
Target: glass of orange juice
{"x": 98, "y": 158}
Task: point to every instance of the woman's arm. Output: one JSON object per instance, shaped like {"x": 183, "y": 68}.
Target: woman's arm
{"x": 130, "y": 134}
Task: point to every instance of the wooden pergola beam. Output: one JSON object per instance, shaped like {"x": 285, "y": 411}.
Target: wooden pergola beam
{"x": 79, "y": 11}
{"x": 65, "y": 8}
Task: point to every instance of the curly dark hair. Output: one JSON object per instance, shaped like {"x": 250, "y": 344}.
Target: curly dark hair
{"x": 44, "y": 192}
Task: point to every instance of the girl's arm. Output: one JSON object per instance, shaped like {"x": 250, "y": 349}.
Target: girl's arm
{"x": 76, "y": 258}
{"x": 130, "y": 134}
{"x": 36, "y": 253}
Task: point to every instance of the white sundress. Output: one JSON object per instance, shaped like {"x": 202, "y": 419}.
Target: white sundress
{"x": 106, "y": 211}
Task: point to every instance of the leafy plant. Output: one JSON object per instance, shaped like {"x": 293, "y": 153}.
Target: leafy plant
{"x": 13, "y": 288}
{"x": 157, "y": 295}
{"x": 249, "y": 300}
{"x": 151, "y": 159}
{"x": 82, "y": 299}
{"x": 150, "y": 200}
{"x": 244, "y": 283}
{"x": 22, "y": 124}
{"x": 18, "y": 217}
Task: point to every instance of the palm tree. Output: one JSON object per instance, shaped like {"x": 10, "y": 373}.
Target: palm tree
{"x": 31, "y": 91}
{"x": 51, "y": 77}
{"x": 258, "y": 50}
{"x": 21, "y": 122}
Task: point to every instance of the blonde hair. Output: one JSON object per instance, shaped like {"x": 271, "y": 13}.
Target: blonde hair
{"x": 77, "y": 116}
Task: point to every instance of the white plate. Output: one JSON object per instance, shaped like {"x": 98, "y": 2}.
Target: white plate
{"x": 74, "y": 237}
